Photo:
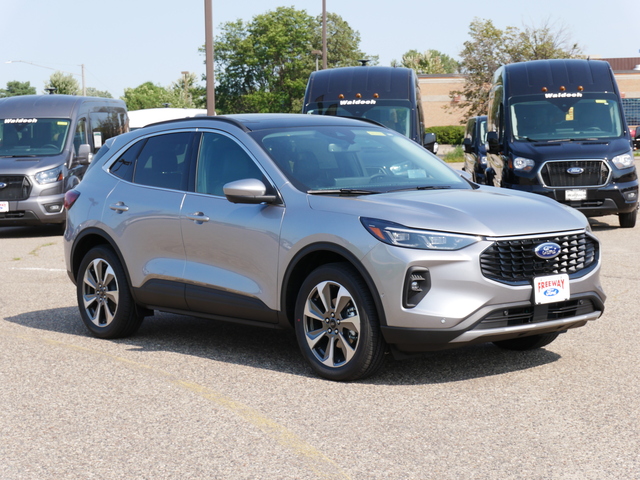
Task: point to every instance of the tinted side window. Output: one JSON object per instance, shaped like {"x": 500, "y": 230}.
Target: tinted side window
{"x": 125, "y": 165}
{"x": 220, "y": 161}
{"x": 163, "y": 161}
{"x": 106, "y": 123}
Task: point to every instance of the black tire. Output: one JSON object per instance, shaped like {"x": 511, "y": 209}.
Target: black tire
{"x": 340, "y": 341}
{"x": 527, "y": 343}
{"x": 104, "y": 297}
{"x": 628, "y": 220}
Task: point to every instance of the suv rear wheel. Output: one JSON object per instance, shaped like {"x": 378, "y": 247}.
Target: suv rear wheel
{"x": 337, "y": 325}
{"x": 104, "y": 298}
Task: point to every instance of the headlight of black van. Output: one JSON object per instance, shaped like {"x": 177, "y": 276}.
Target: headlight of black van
{"x": 623, "y": 161}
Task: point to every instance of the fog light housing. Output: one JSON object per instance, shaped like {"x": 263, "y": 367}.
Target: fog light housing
{"x": 417, "y": 283}
{"x": 630, "y": 195}
{"x": 53, "y": 207}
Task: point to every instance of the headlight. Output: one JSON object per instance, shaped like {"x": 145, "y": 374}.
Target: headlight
{"x": 483, "y": 159}
{"x": 49, "y": 176}
{"x": 524, "y": 164}
{"x": 623, "y": 161}
{"x": 401, "y": 236}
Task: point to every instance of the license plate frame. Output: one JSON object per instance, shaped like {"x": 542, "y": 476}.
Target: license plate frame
{"x": 575, "y": 194}
{"x": 4, "y": 207}
{"x": 551, "y": 289}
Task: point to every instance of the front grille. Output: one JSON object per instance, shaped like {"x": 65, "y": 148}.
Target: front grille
{"x": 17, "y": 187}
{"x": 513, "y": 261}
{"x": 512, "y": 317}
{"x": 556, "y": 174}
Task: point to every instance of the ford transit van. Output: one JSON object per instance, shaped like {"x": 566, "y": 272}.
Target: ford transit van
{"x": 387, "y": 95}
{"x": 46, "y": 144}
{"x": 557, "y": 128}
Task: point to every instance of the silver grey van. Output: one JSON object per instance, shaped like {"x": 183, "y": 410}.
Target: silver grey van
{"x": 46, "y": 143}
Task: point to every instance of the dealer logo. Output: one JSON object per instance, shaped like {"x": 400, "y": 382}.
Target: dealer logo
{"x": 547, "y": 250}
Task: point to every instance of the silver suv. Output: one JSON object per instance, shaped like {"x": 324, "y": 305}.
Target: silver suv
{"x": 352, "y": 234}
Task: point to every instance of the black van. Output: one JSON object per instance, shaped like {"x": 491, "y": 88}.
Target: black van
{"x": 475, "y": 151}
{"x": 46, "y": 143}
{"x": 557, "y": 128}
{"x": 387, "y": 95}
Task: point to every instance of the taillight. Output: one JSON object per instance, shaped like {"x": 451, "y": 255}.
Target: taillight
{"x": 70, "y": 198}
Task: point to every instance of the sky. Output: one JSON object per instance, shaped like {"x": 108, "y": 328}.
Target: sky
{"x": 124, "y": 43}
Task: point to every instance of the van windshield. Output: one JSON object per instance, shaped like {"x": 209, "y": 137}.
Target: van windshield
{"x": 395, "y": 114}
{"x": 33, "y": 136}
{"x": 355, "y": 160}
{"x": 570, "y": 116}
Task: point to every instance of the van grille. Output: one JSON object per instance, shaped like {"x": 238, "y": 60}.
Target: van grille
{"x": 16, "y": 187}
{"x": 514, "y": 261}
{"x": 588, "y": 173}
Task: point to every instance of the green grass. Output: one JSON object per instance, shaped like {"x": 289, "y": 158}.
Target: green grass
{"x": 455, "y": 156}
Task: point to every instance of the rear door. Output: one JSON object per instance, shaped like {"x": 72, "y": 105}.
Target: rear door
{"x": 143, "y": 213}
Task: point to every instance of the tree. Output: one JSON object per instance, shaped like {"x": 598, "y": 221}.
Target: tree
{"x": 94, "y": 92}
{"x": 263, "y": 65}
{"x": 490, "y": 47}
{"x": 16, "y": 88}
{"x": 64, "y": 84}
{"x": 430, "y": 62}
{"x": 149, "y": 95}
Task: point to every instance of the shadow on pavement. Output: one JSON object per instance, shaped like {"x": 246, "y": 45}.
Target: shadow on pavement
{"x": 277, "y": 350}
{"x": 31, "y": 232}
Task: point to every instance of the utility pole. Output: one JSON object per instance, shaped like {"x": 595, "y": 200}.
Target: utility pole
{"x": 208, "y": 46}
{"x": 324, "y": 34}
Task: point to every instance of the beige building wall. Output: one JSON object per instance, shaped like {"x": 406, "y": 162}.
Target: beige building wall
{"x": 437, "y": 103}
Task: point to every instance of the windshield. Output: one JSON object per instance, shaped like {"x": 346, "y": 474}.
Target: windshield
{"x": 576, "y": 116}
{"x": 360, "y": 159}
{"x": 394, "y": 114}
{"x": 32, "y": 136}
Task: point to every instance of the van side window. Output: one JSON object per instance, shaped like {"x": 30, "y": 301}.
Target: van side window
{"x": 106, "y": 123}
{"x": 80, "y": 137}
{"x": 220, "y": 161}
{"x": 164, "y": 161}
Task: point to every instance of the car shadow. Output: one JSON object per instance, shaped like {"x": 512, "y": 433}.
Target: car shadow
{"x": 31, "y": 231}
{"x": 277, "y": 350}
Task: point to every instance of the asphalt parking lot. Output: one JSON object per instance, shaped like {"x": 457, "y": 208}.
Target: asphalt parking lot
{"x": 191, "y": 398}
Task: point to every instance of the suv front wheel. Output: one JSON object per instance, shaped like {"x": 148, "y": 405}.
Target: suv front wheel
{"x": 336, "y": 324}
{"x": 104, "y": 299}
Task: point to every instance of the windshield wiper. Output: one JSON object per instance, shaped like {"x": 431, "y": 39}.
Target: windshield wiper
{"x": 343, "y": 191}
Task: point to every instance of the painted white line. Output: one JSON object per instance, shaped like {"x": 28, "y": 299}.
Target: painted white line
{"x": 40, "y": 269}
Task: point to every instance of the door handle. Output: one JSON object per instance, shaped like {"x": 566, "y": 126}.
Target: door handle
{"x": 119, "y": 207}
{"x": 198, "y": 217}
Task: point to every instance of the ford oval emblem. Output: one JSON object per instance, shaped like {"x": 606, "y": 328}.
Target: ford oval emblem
{"x": 547, "y": 250}
{"x": 2, "y": 185}
{"x": 575, "y": 170}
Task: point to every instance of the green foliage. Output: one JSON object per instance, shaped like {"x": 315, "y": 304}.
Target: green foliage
{"x": 449, "y": 135}
{"x": 490, "y": 47}
{"x": 429, "y": 62}
{"x": 149, "y": 95}
{"x": 94, "y": 92}
{"x": 64, "y": 84}
{"x": 454, "y": 156}
{"x": 263, "y": 65}
{"x": 16, "y": 88}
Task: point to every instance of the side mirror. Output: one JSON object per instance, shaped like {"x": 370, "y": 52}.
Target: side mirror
{"x": 85, "y": 155}
{"x": 248, "y": 190}
{"x": 466, "y": 145}
{"x": 429, "y": 138}
{"x": 493, "y": 143}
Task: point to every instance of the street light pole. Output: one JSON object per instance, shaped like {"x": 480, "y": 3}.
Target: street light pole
{"x": 324, "y": 34}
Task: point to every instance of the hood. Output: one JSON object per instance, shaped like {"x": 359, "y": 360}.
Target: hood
{"x": 486, "y": 211}
{"x": 578, "y": 149}
{"x": 30, "y": 165}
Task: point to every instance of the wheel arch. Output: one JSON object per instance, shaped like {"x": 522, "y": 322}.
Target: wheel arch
{"x": 312, "y": 257}
{"x": 88, "y": 239}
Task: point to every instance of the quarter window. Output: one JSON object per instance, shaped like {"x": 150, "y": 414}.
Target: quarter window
{"x": 163, "y": 161}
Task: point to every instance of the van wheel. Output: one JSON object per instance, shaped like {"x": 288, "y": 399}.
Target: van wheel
{"x": 527, "y": 343}
{"x": 336, "y": 324}
{"x": 628, "y": 220}
{"x": 104, "y": 298}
